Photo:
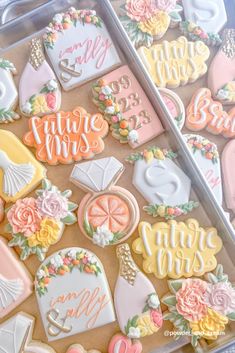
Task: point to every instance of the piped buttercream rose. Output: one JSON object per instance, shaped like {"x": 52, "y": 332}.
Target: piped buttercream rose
{"x": 221, "y": 297}
{"x": 190, "y": 299}
{"x": 24, "y": 217}
{"x": 140, "y": 10}
{"x": 52, "y": 204}
{"x": 47, "y": 235}
{"x": 166, "y": 5}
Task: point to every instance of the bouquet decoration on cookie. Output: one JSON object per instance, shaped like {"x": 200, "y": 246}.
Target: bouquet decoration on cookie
{"x": 194, "y": 32}
{"x": 146, "y": 21}
{"x": 201, "y": 307}
{"x": 37, "y": 223}
{"x": 162, "y": 183}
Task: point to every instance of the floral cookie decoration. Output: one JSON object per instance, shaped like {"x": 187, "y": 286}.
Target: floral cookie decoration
{"x": 177, "y": 249}
{"x": 78, "y": 348}
{"x": 194, "y": 32}
{"x": 120, "y": 343}
{"x": 162, "y": 183}
{"x": 9, "y": 93}
{"x": 37, "y": 223}
{"x": 142, "y": 316}
{"x": 146, "y": 21}
{"x": 76, "y": 275}
{"x": 126, "y": 107}
{"x": 201, "y": 307}
{"x": 39, "y": 91}
{"x": 108, "y": 214}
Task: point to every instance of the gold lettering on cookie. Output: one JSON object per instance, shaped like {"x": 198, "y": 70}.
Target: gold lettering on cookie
{"x": 56, "y": 324}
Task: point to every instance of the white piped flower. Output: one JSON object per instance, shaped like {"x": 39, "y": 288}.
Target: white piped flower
{"x": 153, "y": 301}
{"x": 133, "y": 136}
{"x": 106, "y": 90}
{"x": 58, "y": 18}
{"x": 223, "y": 94}
{"x": 27, "y": 108}
{"x": 134, "y": 332}
{"x": 102, "y": 236}
{"x": 41, "y": 274}
{"x": 57, "y": 261}
{"x": 52, "y": 85}
{"x": 110, "y": 110}
{"x": 73, "y": 254}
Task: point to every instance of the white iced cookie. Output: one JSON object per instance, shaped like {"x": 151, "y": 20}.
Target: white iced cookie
{"x": 8, "y": 92}
{"x": 73, "y": 293}
{"x": 16, "y": 336}
{"x": 79, "y": 47}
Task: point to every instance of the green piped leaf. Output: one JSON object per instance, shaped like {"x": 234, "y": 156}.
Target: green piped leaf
{"x": 231, "y": 316}
{"x": 72, "y": 206}
{"x": 46, "y": 184}
{"x": 7, "y": 116}
{"x": 69, "y": 219}
{"x": 169, "y": 300}
{"x": 175, "y": 285}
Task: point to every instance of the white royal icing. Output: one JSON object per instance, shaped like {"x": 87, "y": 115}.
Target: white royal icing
{"x": 10, "y": 291}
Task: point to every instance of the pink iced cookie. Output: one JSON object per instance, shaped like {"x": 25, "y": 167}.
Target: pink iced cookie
{"x": 133, "y": 120}
{"x": 221, "y": 74}
{"x": 15, "y": 280}
{"x": 174, "y": 105}
{"x": 78, "y": 348}
{"x": 228, "y": 160}
{"x": 122, "y": 344}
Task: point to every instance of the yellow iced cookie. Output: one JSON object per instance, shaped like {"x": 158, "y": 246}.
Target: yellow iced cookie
{"x": 20, "y": 172}
{"x": 156, "y": 25}
{"x": 177, "y": 249}
{"x": 175, "y": 63}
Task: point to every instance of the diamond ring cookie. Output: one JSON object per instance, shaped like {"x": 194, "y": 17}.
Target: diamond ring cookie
{"x": 125, "y": 106}
{"x": 174, "y": 105}
{"x": 193, "y": 303}
{"x": 65, "y": 137}
{"x": 37, "y": 223}
{"x": 15, "y": 281}
{"x": 8, "y": 92}
{"x": 39, "y": 91}
{"x": 20, "y": 172}
{"x": 73, "y": 293}
{"x": 79, "y": 47}
{"x": 142, "y": 315}
{"x": 108, "y": 214}
{"x": 182, "y": 249}
{"x": 207, "y": 158}
{"x": 162, "y": 183}
{"x": 16, "y": 336}
{"x": 175, "y": 63}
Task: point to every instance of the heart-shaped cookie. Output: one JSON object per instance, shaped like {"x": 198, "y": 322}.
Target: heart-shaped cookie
{"x": 78, "y": 348}
{"x": 122, "y": 344}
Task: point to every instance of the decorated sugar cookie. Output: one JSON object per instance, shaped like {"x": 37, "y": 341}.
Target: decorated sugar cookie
{"x": 142, "y": 315}
{"x": 176, "y": 250}
{"x": 79, "y": 47}
{"x": 16, "y": 336}
{"x": 205, "y": 113}
{"x": 174, "y": 105}
{"x": 228, "y": 159}
{"x": 2, "y": 212}
{"x": 15, "y": 280}
{"x": 78, "y": 348}
{"x": 194, "y": 32}
{"x": 221, "y": 74}
{"x": 120, "y": 343}
{"x": 207, "y": 158}
{"x": 65, "y": 137}
{"x": 20, "y": 172}
{"x": 8, "y": 92}
{"x": 162, "y": 183}
{"x": 201, "y": 307}
{"x": 39, "y": 91}
{"x": 175, "y": 63}
{"x": 73, "y": 293}
{"x": 125, "y": 106}
{"x": 108, "y": 214}
{"x": 146, "y": 21}
{"x": 37, "y": 223}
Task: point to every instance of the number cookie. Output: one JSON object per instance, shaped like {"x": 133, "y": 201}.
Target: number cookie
{"x": 37, "y": 223}
{"x": 126, "y": 107}
{"x": 162, "y": 183}
{"x": 207, "y": 157}
{"x": 39, "y": 91}
{"x": 175, "y": 63}
{"x": 193, "y": 303}
{"x": 108, "y": 214}
{"x": 8, "y": 92}
{"x": 16, "y": 336}
{"x": 142, "y": 315}
{"x": 20, "y": 172}
{"x": 79, "y": 47}
{"x": 177, "y": 250}
{"x": 65, "y": 137}
{"x": 73, "y": 293}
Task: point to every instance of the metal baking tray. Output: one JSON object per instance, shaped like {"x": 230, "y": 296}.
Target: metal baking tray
{"x": 17, "y": 30}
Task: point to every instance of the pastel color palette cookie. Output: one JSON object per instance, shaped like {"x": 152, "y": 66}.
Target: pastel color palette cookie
{"x": 176, "y": 250}
{"x": 120, "y": 343}
{"x": 73, "y": 293}
{"x": 20, "y": 172}
{"x": 79, "y": 47}
{"x": 15, "y": 281}
{"x": 126, "y": 107}
{"x": 78, "y": 348}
